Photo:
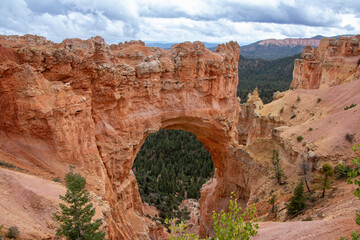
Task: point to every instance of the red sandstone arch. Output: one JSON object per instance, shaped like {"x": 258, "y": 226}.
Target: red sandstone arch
{"x": 93, "y": 105}
{"x": 187, "y": 88}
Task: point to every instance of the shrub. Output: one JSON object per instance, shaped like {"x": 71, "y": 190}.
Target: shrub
{"x": 293, "y": 116}
{"x": 299, "y": 138}
{"x": 298, "y": 99}
{"x": 9, "y": 165}
{"x": 349, "y": 137}
{"x": 282, "y": 110}
{"x": 342, "y": 171}
{"x": 307, "y": 219}
{"x": 319, "y": 100}
{"x": 351, "y": 106}
{"x": 310, "y": 129}
{"x": 227, "y": 224}
{"x": 298, "y": 200}
{"x": 13, "y": 232}
{"x": 293, "y": 107}
{"x": 57, "y": 179}
{"x": 232, "y": 225}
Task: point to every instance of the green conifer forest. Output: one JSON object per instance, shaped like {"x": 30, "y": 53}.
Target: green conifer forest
{"x": 171, "y": 166}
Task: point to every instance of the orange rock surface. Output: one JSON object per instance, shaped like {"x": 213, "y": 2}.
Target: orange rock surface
{"x": 333, "y": 62}
{"x": 93, "y": 105}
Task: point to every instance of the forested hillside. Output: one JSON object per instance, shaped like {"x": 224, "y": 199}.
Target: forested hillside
{"x": 270, "y": 52}
{"x": 268, "y": 75}
{"x": 171, "y": 166}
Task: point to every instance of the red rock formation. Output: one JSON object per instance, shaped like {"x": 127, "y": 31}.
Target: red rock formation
{"x": 93, "y": 105}
{"x": 333, "y": 62}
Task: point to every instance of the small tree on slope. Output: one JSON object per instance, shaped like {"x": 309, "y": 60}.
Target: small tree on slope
{"x": 324, "y": 181}
{"x": 76, "y": 215}
{"x": 298, "y": 200}
{"x": 279, "y": 174}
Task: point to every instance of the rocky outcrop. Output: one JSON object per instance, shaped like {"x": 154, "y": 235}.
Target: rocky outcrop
{"x": 334, "y": 62}
{"x": 93, "y": 105}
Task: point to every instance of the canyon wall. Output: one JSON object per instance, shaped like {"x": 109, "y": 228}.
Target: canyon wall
{"x": 93, "y": 105}
{"x": 332, "y": 63}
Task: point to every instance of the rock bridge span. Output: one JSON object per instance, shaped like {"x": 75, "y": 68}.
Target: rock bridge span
{"x": 93, "y": 105}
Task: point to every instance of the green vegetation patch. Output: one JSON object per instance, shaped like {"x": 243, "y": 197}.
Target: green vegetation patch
{"x": 351, "y": 106}
{"x": 268, "y": 75}
{"x": 9, "y": 165}
{"x": 171, "y": 166}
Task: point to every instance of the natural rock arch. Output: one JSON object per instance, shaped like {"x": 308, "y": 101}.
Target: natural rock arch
{"x": 187, "y": 88}
{"x": 93, "y": 105}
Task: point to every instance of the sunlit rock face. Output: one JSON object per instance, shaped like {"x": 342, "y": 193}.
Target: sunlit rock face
{"x": 334, "y": 62}
{"x": 93, "y": 105}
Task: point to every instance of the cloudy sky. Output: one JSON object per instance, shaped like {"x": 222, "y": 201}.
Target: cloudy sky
{"x": 180, "y": 20}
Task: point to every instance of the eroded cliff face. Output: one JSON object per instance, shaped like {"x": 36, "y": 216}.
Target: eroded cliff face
{"x": 334, "y": 62}
{"x": 93, "y": 105}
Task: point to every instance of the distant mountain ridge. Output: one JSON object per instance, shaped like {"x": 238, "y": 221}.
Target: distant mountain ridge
{"x": 166, "y": 45}
{"x": 271, "y": 49}
{"x": 290, "y": 42}
{"x": 268, "y": 49}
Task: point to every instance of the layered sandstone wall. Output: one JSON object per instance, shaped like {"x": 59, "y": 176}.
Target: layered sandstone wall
{"x": 332, "y": 63}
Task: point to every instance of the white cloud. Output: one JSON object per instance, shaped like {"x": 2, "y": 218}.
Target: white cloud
{"x": 174, "y": 21}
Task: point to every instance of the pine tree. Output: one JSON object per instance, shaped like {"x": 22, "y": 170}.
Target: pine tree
{"x": 278, "y": 171}
{"x": 324, "y": 181}
{"x": 76, "y": 214}
{"x": 298, "y": 200}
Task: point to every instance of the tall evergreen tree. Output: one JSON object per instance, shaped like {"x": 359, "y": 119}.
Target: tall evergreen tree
{"x": 298, "y": 200}
{"x": 76, "y": 215}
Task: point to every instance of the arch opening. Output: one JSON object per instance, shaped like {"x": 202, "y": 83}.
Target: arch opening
{"x": 171, "y": 166}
